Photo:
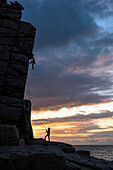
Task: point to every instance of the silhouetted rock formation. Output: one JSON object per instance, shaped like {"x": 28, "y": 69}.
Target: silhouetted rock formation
{"x": 49, "y": 156}
{"x": 16, "y": 44}
{"x": 9, "y": 135}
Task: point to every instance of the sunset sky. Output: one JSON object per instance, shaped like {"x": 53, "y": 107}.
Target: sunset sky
{"x": 71, "y": 88}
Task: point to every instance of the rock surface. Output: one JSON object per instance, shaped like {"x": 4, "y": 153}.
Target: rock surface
{"x": 48, "y": 156}
{"x": 17, "y": 112}
{"x": 9, "y": 135}
{"x": 16, "y": 44}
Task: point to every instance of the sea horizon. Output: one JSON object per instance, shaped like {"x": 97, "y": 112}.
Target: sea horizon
{"x": 98, "y": 151}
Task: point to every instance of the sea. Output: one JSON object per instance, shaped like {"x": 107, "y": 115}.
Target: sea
{"x": 98, "y": 151}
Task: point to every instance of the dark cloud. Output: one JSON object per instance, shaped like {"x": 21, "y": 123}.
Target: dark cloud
{"x": 67, "y": 49}
{"x": 59, "y": 21}
{"x": 56, "y": 87}
{"x": 66, "y": 76}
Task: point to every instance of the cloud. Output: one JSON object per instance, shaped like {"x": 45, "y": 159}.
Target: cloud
{"x": 76, "y": 130}
{"x": 76, "y": 118}
{"x": 59, "y": 21}
{"x": 66, "y": 77}
{"x": 71, "y": 51}
{"x": 52, "y": 85}
{"x": 101, "y": 8}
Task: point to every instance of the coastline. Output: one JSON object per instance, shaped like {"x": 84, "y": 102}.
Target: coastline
{"x": 41, "y": 155}
{"x": 98, "y": 151}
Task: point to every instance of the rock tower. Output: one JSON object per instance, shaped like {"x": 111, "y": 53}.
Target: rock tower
{"x": 16, "y": 44}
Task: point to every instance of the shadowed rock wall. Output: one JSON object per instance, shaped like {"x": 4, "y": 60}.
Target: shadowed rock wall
{"x": 16, "y": 44}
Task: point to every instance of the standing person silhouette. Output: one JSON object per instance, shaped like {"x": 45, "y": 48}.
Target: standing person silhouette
{"x": 48, "y": 134}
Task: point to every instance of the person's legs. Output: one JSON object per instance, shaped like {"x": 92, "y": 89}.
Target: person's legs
{"x": 45, "y": 137}
{"x": 32, "y": 66}
{"x": 48, "y": 137}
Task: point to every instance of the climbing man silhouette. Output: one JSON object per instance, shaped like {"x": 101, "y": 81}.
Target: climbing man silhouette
{"x": 32, "y": 62}
{"x": 48, "y": 134}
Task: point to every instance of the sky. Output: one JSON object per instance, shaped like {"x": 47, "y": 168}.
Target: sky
{"x": 72, "y": 84}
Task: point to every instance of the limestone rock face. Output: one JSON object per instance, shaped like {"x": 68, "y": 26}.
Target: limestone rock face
{"x": 9, "y": 135}
{"x": 16, "y": 44}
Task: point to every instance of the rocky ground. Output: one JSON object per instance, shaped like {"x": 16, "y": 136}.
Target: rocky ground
{"x": 42, "y": 155}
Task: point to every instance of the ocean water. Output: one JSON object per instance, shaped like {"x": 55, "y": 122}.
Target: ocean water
{"x": 98, "y": 151}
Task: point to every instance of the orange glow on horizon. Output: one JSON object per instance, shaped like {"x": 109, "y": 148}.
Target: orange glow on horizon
{"x": 74, "y": 131}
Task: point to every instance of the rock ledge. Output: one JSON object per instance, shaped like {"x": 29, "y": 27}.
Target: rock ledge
{"x": 42, "y": 155}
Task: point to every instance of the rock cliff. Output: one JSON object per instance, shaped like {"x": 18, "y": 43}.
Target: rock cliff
{"x": 16, "y": 44}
